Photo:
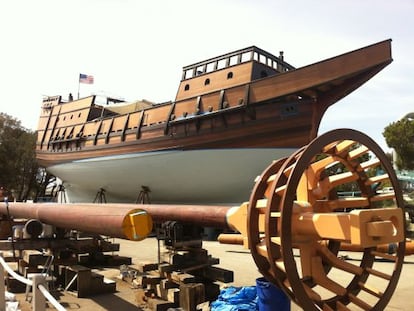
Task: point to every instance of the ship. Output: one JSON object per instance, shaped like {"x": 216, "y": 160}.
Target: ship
{"x": 232, "y": 116}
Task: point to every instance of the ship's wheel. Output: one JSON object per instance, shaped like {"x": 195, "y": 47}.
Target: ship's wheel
{"x": 324, "y": 197}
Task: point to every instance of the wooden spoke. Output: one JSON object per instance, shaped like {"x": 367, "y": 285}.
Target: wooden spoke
{"x": 369, "y": 164}
{"x": 326, "y": 307}
{"x": 360, "y": 303}
{"x": 379, "y": 274}
{"x": 383, "y": 196}
{"x": 261, "y": 204}
{"x": 276, "y": 240}
{"x": 358, "y": 152}
{"x": 300, "y": 211}
{"x": 377, "y": 179}
{"x": 341, "y": 307}
{"x": 329, "y": 147}
{"x": 384, "y": 255}
{"x": 311, "y": 293}
{"x": 334, "y": 261}
{"x": 371, "y": 290}
{"x": 262, "y": 249}
{"x": 319, "y": 276}
{"x": 320, "y": 165}
{"x": 343, "y": 146}
{"x": 332, "y": 205}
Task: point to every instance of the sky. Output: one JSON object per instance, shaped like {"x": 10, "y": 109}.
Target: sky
{"x": 136, "y": 49}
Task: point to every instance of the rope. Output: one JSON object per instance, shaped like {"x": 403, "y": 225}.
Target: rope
{"x": 49, "y": 297}
{"x": 14, "y": 274}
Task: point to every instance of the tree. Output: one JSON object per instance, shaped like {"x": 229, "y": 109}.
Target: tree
{"x": 18, "y": 166}
{"x": 400, "y": 136}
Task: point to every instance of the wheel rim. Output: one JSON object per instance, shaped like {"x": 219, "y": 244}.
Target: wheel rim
{"x": 308, "y": 180}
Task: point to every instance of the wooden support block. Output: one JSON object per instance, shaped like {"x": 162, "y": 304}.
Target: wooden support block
{"x": 191, "y": 295}
{"x": 212, "y": 291}
{"x": 177, "y": 259}
{"x": 165, "y": 269}
{"x": 27, "y": 270}
{"x": 197, "y": 254}
{"x": 22, "y": 266}
{"x": 33, "y": 258}
{"x": 150, "y": 280}
{"x": 96, "y": 281}
{"x": 15, "y": 286}
{"x": 86, "y": 283}
{"x": 138, "y": 281}
{"x": 145, "y": 267}
{"x": 82, "y": 282}
{"x": 213, "y": 261}
{"x": 218, "y": 274}
{"x": 5, "y": 229}
{"x": 165, "y": 285}
{"x": 183, "y": 277}
{"x": 173, "y": 295}
{"x": 106, "y": 246}
{"x": 205, "y": 306}
{"x": 109, "y": 286}
{"x": 116, "y": 260}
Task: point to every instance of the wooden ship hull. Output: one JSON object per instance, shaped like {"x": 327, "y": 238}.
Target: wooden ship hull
{"x": 232, "y": 116}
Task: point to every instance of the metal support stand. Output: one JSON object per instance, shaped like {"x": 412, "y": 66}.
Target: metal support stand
{"x": 143, "y": 196}
{"x": 61, "y": 194}
{"x": 100, "y": 196}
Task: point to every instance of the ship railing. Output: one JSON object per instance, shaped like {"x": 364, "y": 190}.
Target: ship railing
{"x": 38, "y": 284}
{"x": 252, "y": 53}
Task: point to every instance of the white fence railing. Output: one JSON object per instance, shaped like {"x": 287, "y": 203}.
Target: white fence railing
{"x": 39, "y": 288}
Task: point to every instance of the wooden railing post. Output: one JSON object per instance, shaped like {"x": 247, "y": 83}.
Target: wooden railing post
{"x": 39, "y": 301}
{"x": 2, "y": 287}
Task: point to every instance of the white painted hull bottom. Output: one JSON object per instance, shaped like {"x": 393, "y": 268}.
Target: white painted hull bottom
{"x": 220, "y": 176}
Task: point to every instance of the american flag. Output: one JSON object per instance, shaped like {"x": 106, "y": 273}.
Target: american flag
{"x": 85, "y": 79}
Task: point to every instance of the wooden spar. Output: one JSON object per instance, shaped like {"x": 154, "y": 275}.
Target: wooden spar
{"x": 111, "y": 218}
{"x": 231, "y": 238}
{"x": 128, "y": 222}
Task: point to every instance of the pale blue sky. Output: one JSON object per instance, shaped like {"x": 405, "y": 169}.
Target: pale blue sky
{"x": 136, "y": 49}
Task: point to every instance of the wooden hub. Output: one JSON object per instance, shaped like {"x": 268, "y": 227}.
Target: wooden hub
{"x": 303, "y": 208}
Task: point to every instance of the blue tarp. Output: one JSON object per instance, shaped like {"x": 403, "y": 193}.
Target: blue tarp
{"x": 236, "y": 299}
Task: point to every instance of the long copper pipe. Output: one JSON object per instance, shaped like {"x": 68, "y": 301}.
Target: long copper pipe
{"x": 127, "y": 222}
{"x": 202, "y": 215}
{"x": 109, "y": 219}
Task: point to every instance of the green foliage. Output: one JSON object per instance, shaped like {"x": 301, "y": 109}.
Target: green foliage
{"x": 18, "y": 166}
{"x": 400, "y": 136}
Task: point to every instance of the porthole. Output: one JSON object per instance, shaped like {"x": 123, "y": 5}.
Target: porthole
{"x": 186, "y": 87}
{"x": 207, "y": 82}
{"x": 230, "y": 75}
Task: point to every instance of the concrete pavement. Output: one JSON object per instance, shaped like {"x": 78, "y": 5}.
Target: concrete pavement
{"x": 232, "y": 257}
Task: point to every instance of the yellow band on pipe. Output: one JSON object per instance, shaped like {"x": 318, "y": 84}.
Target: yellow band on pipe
{"x": 137, "y": 225}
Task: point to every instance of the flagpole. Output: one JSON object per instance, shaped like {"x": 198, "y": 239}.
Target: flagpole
{"x": 79, "y": 84}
